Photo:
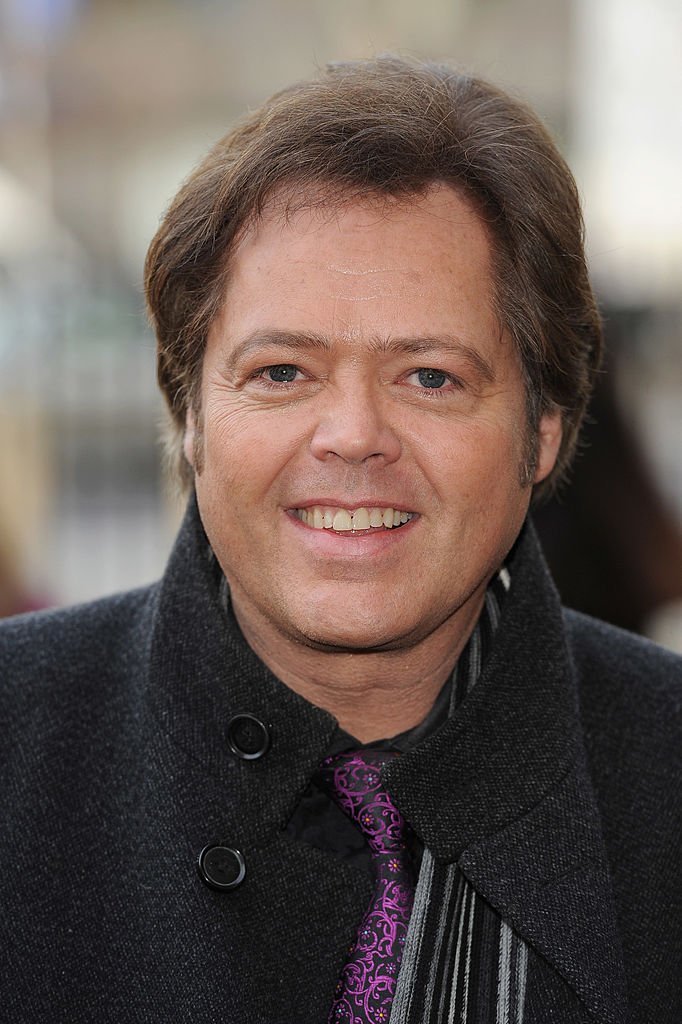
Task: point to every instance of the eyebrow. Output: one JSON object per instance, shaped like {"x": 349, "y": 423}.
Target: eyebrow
{"x": 298, "y": 341}
{"x": 294, "y": 341}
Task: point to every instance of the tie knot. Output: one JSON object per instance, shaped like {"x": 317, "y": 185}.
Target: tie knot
{"x": 353, "y": 780}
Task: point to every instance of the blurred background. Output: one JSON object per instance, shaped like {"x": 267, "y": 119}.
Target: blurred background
{"x": 105, "y": 105}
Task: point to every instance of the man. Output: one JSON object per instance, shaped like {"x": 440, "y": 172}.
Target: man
{"x": 349, "y": 759}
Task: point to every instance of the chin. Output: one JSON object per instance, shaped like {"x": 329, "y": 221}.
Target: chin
{"x": 353, "y": 644}
{"x": 354, "y": 635}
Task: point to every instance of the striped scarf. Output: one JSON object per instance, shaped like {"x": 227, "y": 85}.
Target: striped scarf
{"x": 462, "y": 963}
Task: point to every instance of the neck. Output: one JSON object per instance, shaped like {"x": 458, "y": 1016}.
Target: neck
{"x": 372, "y": 694}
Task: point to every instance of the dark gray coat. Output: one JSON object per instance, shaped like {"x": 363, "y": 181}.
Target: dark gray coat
{"x": 553, "y": 787}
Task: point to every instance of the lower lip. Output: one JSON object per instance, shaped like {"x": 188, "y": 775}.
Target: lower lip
{"x": 346, "y": 543}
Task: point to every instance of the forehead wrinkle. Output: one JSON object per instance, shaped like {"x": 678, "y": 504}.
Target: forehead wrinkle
{"x": 358, "y": 272}
{"x": 340, "y": 297}
{"x": 356, "y": 267}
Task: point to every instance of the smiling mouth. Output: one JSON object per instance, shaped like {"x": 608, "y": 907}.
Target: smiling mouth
{"x": 343, "y": 520}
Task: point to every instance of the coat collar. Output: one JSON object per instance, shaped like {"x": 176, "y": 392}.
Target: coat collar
{"x": 202, "y": 673}
{"x": 502, "y": 788}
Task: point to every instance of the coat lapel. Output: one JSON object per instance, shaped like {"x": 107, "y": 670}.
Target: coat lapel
{"x": 503, "y": 789}
{"x": 547, "y": 875}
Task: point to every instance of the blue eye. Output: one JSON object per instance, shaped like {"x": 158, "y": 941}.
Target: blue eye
{"x": 431, "y": 378}
{"x": 283, "y": 373}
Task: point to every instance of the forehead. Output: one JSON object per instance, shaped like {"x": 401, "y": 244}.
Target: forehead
{"x": 419, "y": 264}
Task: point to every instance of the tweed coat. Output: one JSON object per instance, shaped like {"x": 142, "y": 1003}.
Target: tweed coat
{"x": 552, "y": 787}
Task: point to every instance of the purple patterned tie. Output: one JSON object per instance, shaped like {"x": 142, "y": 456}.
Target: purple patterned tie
{"x": 366, "y": 987}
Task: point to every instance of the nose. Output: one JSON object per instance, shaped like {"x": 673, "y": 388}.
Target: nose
{"x": 354, "y": 426}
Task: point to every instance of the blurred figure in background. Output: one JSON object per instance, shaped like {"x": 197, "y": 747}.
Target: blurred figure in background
{"x": 15, "y": 596}
{"x": 612, "y": 543}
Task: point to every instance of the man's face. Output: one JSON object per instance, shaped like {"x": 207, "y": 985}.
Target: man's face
{"x": 356, "y": 378}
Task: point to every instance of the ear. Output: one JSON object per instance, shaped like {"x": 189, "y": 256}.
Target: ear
{"x": 188, "y": 439}
{"x": 549, "y": 442}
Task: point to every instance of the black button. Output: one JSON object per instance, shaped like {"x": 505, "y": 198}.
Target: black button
{"x": 247, "y": 737}
{"x": 221, "y": 867}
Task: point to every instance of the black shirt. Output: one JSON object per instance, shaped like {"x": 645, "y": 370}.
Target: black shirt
{"x": 319, "y": 822}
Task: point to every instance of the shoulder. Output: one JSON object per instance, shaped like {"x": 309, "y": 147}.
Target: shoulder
{"x": 72, "y": 683}
{"x": 629, "y": 693}
{"x": 59, "y": 626}
{"x": 59, "y": 654}
{"x": 622, "y": 674}
{"x": 629, "y": 700}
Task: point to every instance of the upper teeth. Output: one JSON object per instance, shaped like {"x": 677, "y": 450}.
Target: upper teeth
{"x": 343, "y": 519}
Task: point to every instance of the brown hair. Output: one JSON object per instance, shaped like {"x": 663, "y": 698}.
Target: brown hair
{"x": 390, "y": 127}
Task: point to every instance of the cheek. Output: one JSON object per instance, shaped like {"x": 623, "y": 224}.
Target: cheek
{"x": 249, "y": 447}
{"x": 472, "y": 462}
